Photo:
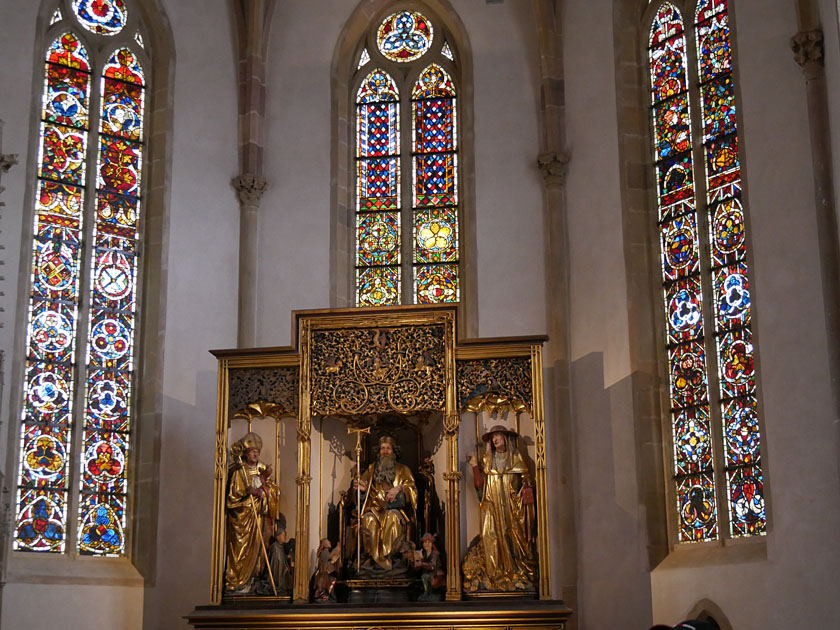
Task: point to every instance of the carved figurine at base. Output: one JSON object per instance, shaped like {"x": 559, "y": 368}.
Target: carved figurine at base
{"x": 323, "y": 582}
{"x": 433, "y": 576}
{"x": 389, "y": 505}
{"x": 281, "y": 563}
{"x": 502, "y": 558}
{"x": 252, "y": 506}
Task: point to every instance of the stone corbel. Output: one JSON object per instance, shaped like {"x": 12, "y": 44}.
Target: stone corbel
{"x": 553, "y": 168}
{"x": 249, "y": 189}
{"x": 7, "y": 160}
{"x": 808, "y": 50}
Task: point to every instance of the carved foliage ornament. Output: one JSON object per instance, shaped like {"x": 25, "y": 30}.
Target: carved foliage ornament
{"x": 808, "y": 48}
{"x": 495, "y": 384}
{"x": 377, "y": 370}
{"x": 276, "y": 388}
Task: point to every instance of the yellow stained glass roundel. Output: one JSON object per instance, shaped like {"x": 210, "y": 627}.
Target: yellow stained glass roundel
{"x": 404, "y": 36}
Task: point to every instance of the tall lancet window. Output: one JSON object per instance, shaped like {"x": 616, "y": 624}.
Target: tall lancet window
{"x": 407, "y": 219}
{"x": 79, "y": 367}
{"x": 716, "y": 436}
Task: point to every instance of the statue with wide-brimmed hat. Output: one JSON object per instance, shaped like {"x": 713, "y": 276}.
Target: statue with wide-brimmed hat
{"x": 503, "y": 558}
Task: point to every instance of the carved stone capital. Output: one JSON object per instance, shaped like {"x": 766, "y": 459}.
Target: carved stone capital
{"x": 7, "y": 160}
{"x": 808, "y": 48}
{"x": 249, "y": 188}
{"x": 553, "y": 168}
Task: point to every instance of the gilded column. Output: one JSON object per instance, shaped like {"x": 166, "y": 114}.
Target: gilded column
{"x": 304, "y": 431}
{"x": 452, "y": 476}
{"x": 453, "y": 526}
{"x": 217, "y": 572}
{"x": 543, "y": 548}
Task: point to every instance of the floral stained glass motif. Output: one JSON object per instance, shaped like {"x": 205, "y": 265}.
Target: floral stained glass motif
{"x": 404, "y": 36}
{"x": 103, "y": 17}
{"x": 434, "y": 145}
{"x": 112, "y": 324}
{"x": 49, "y": 381}
{"x": 684, "y": 304}
{"x": 730, "y": 278}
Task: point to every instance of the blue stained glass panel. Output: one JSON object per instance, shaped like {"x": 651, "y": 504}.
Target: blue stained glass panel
{"x": 378, "y": 125}
{"x": 378, "y": 184}
{"x": 435, "y": 181}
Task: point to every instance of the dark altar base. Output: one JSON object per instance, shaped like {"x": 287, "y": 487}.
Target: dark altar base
{"x": 485, "y": 614}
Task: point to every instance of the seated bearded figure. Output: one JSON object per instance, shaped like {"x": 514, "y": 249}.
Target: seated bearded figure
{"x": 388, "y": 506}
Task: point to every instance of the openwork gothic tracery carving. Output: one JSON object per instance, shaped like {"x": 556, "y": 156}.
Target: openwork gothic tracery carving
{"x": 275, "y": 385}
{"x": 495, "y": 384}
{"x": 377, "y": 370}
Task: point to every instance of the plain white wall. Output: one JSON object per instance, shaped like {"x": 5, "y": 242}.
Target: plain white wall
{"x": 200, "y": 303}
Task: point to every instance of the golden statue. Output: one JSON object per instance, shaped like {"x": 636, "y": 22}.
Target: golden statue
{"x": 503, "y": 559}
{"x": 389, "y": 506}
{"x": 252, "y": 506}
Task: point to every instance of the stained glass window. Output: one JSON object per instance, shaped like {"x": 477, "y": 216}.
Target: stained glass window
{"x": 103, "y": 17}
{"x": 420, "y": 266}
{"x": 364, "y": 58}
{"x": 702, "y": 333}
{"x": 89, "y": 141}
{"x": 404, "y": 36}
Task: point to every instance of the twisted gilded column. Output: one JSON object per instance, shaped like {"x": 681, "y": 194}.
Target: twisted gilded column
{"x": 807, "y": 48}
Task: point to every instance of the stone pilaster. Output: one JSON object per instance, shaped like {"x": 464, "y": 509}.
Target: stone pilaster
{"x": 249, "y": 190}
{"x": 808, "y": 52}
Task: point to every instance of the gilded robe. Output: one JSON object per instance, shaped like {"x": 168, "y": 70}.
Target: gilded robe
{"x": 245, "y": 524}
{"x": 504, "y": 559}
{"x": 386, "y": 526}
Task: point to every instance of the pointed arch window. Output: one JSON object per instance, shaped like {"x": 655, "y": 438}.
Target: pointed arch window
{"x": 76, "y": 415}
{"x": 406, "y": 179}
{"x": 718, "y": 481}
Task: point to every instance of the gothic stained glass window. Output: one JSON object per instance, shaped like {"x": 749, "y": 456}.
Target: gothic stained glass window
{"x": 726, "y": 401}
{"x": 404, "y": 36}
{"x": 434, "y": 144}
{"x": 406, "y": 254}
{"x": 104, "y": 17}
{"x": 378, "y": 191}
{"x": 80, "y": 151}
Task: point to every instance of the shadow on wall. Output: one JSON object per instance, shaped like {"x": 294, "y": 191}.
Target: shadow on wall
{"x": 187, "y": 458}
{"x": 619, "y": 493}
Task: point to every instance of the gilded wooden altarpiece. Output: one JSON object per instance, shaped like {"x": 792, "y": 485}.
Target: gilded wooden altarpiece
{"x": 357, "y": 363}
